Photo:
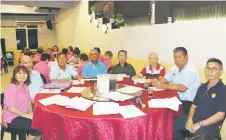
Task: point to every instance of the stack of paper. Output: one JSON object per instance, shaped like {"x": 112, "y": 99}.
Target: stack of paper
{"x": 79, "y": 103}
{"x": 156, "y": 89}
{"x": 50, "y": 100}
{"x": 130, "y": 111}
{"x": 140, "y": 80}
{"x": 129, "y": 89}
{"x": 103, "y": 108}
{"x": 116, "y": 96}
{"x": 171, "y": 103}
{"x": 49, "y": 91}
{"x": 76, "y": 89}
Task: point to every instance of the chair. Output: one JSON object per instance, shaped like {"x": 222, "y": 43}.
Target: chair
{"x": 12, "y": 131}
{"x": 43, "y": 79}
{"x": 4, "y": 64}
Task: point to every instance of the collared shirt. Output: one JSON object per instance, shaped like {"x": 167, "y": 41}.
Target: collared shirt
{"x": 101, "y": 58}
{"x": 37, "y": 57}
{"x": 57, "y": 73}
{"x": 149, "y": 73}
{"x": 126, "y": 69}
{"x": 189, "y": 77}
{"x": 80, "y": 67}
{"x": 108, "y": 63}
{"x": 43, "y": 68}
{"x": 90, "y": 70}
{"x": 36, "y": 83}
{"x": 210, "y": 101}
{"x": 18, "y": 97}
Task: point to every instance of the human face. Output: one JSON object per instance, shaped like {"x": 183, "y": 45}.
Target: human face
{"x": 122, "y": 57}
{"x": 62, "y": 60}
{"x": 21, "y": 76}
{"x": 55, "y": 49}
{"x": 153, "y": 59}
{"x": 180, "y": 59}
{"x": 94, "y": 55}
{"x": 27, "y": 62}
{"x": 213, "y": 71}
{"x": 107, "y": 57}
{"x": 50, "y": 52}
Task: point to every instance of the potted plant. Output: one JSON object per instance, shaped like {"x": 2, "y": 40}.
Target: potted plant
{"x": 118, "y": 20}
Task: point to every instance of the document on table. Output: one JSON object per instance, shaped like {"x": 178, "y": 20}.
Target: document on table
{"x": 129, "y": 89}
{"x": 104, "y": 108}
{"x": 49, "y": 91}
{"x": 50, "y": 100}
{"x": 116, "y": 96}
{"x": 156, "y": 89}
{"x": 76, "y": 89}
{"x": 79, "y": 103}
{"x": 171, "y": 103}
{"x": 130, "y": 111}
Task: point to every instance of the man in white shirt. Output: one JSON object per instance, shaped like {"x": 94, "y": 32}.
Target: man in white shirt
{"x": 183, "y": 77}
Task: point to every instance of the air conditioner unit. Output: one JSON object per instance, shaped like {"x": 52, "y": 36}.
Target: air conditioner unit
{"x": 30, "y": 23}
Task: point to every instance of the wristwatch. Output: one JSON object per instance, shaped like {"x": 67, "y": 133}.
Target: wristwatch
{"x": 201, "y": 124}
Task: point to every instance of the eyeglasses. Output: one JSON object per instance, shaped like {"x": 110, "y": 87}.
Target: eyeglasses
{"x": 214, "y": 69}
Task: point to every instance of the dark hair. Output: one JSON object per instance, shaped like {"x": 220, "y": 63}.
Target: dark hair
{"x": 109, "y": 53}
{"x": 215, "y": 60}
{"x": 70, "y": 48}
{"x": 39, "y": 50}
{"x": 76, "y": 48}
{"x": 97, "y": 48}
{"x": 64, "y": 50}
{"x": 61, "y": 54}
{"x": 182, "y": 49}
{"x": 84, "y": 57}
{"x": 55, "y": 46}
{"x": 76, "y": 51}
{"x": 18, "y": 69}
{"x": 45, "y": 56}
{"x": 28, "y": 53}
{"x": 122, "y": 51}
{"x": 50, "y": 49}
{"x": 27, "y": 50}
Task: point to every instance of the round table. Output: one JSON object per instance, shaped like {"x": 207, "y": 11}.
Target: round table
{"x": 60, "y": 123}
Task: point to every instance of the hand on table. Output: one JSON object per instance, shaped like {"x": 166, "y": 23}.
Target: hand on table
{"x": 156, "y": 83}
{"x": 195, "y": 127}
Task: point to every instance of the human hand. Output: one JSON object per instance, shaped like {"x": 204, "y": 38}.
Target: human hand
{"x": 195, "y": 127}
{"x": 189, "y": 124}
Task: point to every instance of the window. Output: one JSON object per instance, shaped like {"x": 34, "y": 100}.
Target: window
{"x": 27, "y": 37}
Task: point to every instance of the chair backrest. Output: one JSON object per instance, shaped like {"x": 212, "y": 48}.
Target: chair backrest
{"x": 2, "y": 99}
{"x": 199, "y": 137}
{"x": 43, "y": 79}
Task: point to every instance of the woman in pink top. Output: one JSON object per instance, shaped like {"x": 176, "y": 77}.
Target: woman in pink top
{"x": 42, "y": 67}
{"x": 83, "y": 60}
{"x": 108, "y": 55}
{"x": 55, "y": 50}
{"x": 17, "y": 111}
{"x": 37, "y": 57}
{"x": 70, "y": 52}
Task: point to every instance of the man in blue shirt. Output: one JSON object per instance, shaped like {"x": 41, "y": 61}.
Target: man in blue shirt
{"x": 63, "y": 72}
{"x": 183, "y": 78}
{"x": 94, "y": 67}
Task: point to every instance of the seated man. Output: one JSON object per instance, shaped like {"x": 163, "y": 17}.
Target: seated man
{"x": 153, "y": 70}
{"x": 123, "y": 67}
{"x": 63, "y": 72}
{"x": 95, "y": 66}
{"x": 183, "y": 78}
{"x": 36, "y": 80}
{"x": 208, "y": 110}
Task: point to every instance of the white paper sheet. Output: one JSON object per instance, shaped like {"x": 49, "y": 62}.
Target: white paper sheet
{"x": 156, "y": 89}
{"x": 103, "y": 108}
{"x": 49, "y": 91}
{"x": 129, "y": 89}
{"x": 76, "y": 89}
{"x": 171, "y": 103}
{"x": 116, "y": 96}
{"x": 79, "y": 103}
{"x": 50, "y": 100}
{"x": 130, "y": 111}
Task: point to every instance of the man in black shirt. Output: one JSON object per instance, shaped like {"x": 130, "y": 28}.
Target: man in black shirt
{"x": 208, "y": 110}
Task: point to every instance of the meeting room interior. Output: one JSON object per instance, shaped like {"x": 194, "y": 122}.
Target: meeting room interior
{"x": 113, "y": 70}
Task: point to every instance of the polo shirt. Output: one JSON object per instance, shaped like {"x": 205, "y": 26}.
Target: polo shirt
{"x": 90, "y": 70}
{"x": 36, "y": 83}
{"x": 43, "y": 68}
{"x": 210, "y": 101}
{"x": 188, "y": 76}
{"x": 151, "y": 74}
{"x": 126, "y": 69}
{"x": 57, "y": 73}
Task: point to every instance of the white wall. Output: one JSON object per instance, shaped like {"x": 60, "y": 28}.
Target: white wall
{"x": 202, "y": 39}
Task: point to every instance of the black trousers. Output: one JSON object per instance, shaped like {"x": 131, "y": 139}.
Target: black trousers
{"x": 24, "y": 124}
{"x": 211, "y": 132}
{"x": 186, "y": 107}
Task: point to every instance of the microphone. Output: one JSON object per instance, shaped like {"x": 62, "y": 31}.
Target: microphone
{"x": 139, "y": 101}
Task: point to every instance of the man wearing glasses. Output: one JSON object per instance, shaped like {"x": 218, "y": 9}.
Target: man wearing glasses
{"x": 183, "y": 77}
{"x": 207, "y": 112}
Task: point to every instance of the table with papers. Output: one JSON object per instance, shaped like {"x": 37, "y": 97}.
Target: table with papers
{"x": 69, "y": 119}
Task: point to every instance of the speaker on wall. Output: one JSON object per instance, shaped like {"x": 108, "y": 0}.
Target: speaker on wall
{"x": 49, "y": 24}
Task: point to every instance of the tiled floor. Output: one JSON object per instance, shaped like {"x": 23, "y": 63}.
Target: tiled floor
{"x": 5, "y": 80}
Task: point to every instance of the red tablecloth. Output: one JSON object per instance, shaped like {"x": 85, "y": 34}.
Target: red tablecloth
{"x": 59, "y": 123}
